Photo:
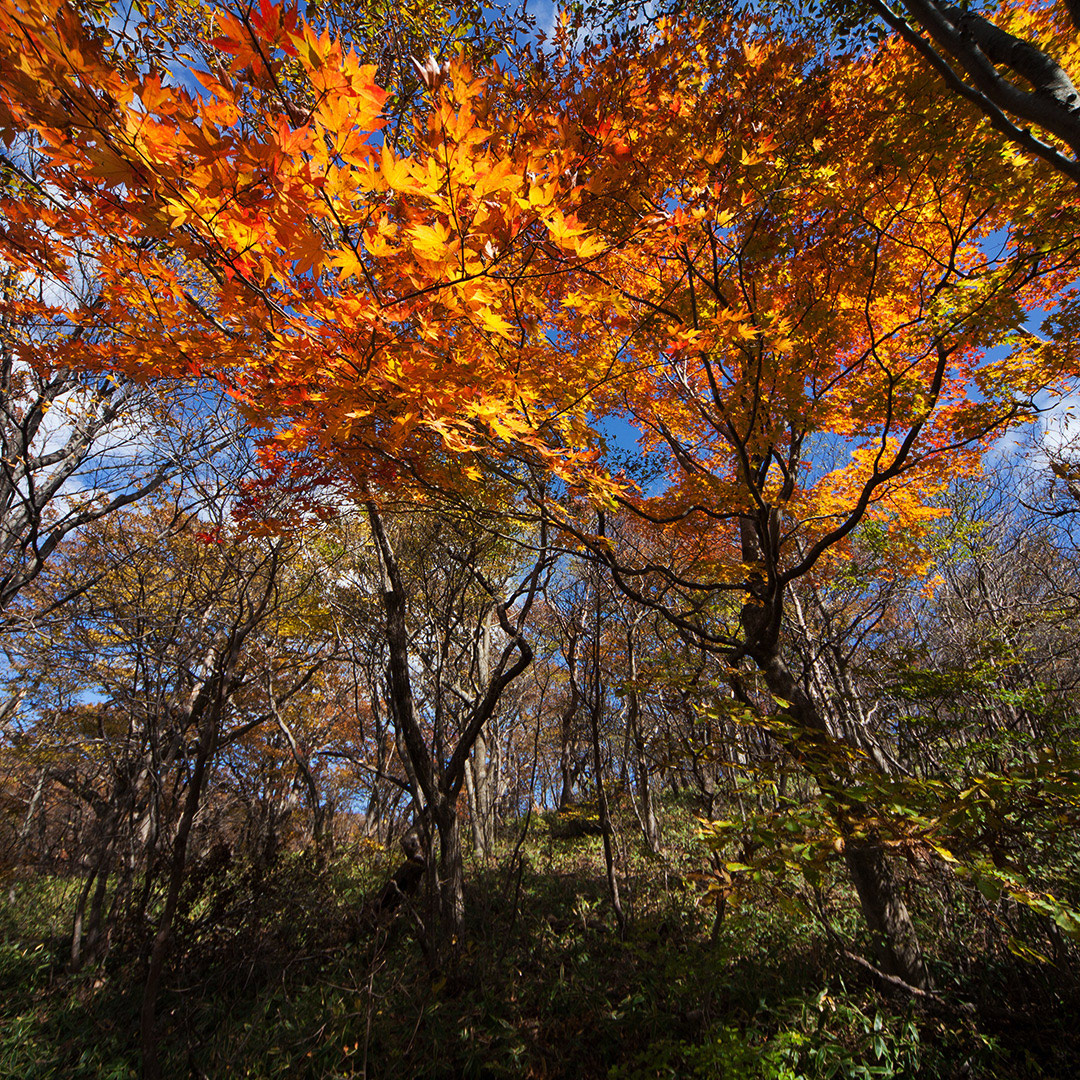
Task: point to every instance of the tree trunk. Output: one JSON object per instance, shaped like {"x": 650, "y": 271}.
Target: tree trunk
{"x": 603, "y": 812}
{"x": 567, "y": 743}
{"x": 883, "y": 907}
{"x": 438, "y": 777}
{"x": 451, "y": 882}
{"x": 895, "y": 940}
{"x": 86, "y": 931}
{"x": 480, "y": 780}
{"x": 317, "y": 807}
{"x": 160, "y": 948}
{"x": 596, "y": 707}
{"x": 650, "y": 825}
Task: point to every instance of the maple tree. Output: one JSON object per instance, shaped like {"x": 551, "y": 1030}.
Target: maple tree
{"x": 805, "y": 310}
{"x": 343, "y": 260}
{"x": 399, "y": 298}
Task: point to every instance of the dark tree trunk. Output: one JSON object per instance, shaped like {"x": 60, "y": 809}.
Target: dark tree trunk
{"x": 883, "y": 907}
{"x": 762, "y": 617}
{"x": 596, "y": 708}
{"x": 895, "y": 941}
{"x": 160, "y": 947}
{"x": 451, "y": 882}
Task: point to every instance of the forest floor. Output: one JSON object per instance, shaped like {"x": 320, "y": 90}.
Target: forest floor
{"x": 277, "y": 973}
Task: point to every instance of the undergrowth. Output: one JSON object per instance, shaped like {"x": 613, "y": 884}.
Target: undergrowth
{"x": 278, "y": 973}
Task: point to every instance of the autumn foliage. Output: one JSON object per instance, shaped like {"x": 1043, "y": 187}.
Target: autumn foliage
{"x": 734, "y": 253}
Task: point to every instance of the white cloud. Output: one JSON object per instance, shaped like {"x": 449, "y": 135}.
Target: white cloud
{"x": 1061, "y": 425}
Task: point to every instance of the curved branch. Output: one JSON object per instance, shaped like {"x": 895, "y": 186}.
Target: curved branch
{"x": 975, "y": 45}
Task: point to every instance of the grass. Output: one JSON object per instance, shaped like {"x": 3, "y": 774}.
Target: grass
{"x": 277, "y": 975}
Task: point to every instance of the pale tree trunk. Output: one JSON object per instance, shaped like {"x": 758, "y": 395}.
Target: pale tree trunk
{"x": 31, "y": 809}
{"x": 480, "y": 788}
{"x": 650, "y": 824}
{"x": 374, "y": 818}
{"x": 318, "y": 808}
{"x": 474, "y": 809}
{"x": 832, "y": 687}
{"x": 567, "y": 759}
{"x": 481, "y": 774}
{"x": 567, "y": 743}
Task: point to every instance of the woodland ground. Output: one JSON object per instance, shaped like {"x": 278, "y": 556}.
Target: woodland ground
{"x": 277, "y": 973}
